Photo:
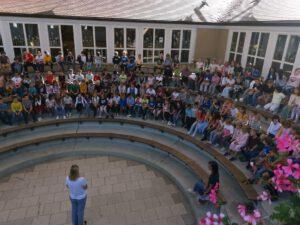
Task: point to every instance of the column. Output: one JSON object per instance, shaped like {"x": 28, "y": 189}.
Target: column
{"x": 168, "y": 40}
{"x": 77, "y": 39}
{"x": 139, "y": 40}
{"x": 44, "y": 37}
{"x": 269, "y": 53}
{"x": 110, "y": 43}
{"x": 228, "y": 45}
{"x": 6, "y": 39}
{"x": 192, "y": 45}
{"x": 246, "y": 48}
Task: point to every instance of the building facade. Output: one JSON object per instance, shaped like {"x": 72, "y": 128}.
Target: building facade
{"x": 264, "y": 46}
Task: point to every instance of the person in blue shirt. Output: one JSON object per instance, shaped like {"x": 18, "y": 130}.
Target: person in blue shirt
{"x": 131, "y": 64}
{"x": 130, "y": 105}
{"x": 124, "y": 61}
{"x": 189, "y": 116}
{"x": 206, "y": 81}
{"x": 206, "y": 103}
{"x": 151, "y": 105}
{"x": 5, "y": 115}
{"x": 122, "y": 103}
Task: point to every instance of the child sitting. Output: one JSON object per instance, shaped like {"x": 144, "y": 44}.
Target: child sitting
{"x": 238, "y": 143}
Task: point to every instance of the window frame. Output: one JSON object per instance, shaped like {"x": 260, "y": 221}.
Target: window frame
{"x": 95, "y": 49}
{"x": 153, "y": 49}
{"x": 1, "y": 44}
{"x": 125, "y": 48}
{"x": 235, "y": 52}
{"x": 283, "y": 62}
{"x": 256, "y": 56}
{"x": 26, "y": 46}
{"x": 60, "y": 39}
{"x": 180, "y": 49}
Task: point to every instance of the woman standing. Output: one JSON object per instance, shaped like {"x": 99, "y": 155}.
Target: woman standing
{"x": 77, "y": 188}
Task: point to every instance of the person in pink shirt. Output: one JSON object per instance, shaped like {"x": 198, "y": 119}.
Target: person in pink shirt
{"x": 238, "y": 142}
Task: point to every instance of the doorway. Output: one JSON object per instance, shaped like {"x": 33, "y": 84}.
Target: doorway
{"x": 67, "y": 39}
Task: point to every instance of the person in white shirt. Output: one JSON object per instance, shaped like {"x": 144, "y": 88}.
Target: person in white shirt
{"x": 150, "y": 91}
{"x": 274, "y": 126}
{"x": 77, "y": 190}
{"x": 17, "y": 80}
{"x": 39, "y": 60}
{"x": 276, "y": 100}
{"x": 229, "y": 82}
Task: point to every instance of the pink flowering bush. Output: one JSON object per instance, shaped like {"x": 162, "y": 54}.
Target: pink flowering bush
{"x": 287, "y": 174}
{"x": 264, "y": 196}
{"x": 286, "y": 177}
{"x": 212, "y": 219}
{"x": 287, "y": 143}
{"x": 248, "y": 215}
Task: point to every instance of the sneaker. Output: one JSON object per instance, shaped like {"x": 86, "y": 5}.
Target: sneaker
{"x": 40, "y": 119}
{"x": 169, "y": 123}
{"x": 65, "y": 117}
{"x": 128, "y": 115}
{"x": 189, "y": 190}
{"x": 57, "y": 117}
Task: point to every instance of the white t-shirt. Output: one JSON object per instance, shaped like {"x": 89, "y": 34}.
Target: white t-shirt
{"x": 230, "y": 128}
{"x": 76, "y": 188}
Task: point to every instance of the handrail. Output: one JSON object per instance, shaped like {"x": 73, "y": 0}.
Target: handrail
{"x": 248, "y": 189}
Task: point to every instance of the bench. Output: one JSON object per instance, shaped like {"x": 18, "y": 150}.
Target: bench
{"x": 190, "y": 163}
{"x": 240, "y": 177}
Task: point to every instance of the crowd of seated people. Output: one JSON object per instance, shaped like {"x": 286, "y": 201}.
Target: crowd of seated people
{"x": 167, "y": 94}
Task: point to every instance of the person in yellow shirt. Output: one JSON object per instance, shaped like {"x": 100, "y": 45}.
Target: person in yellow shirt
{"x": 17, "y": 109}
{"x": 242, "y": 116}
{"x": 83, "y": 87}
{"x": 48, "y": 59}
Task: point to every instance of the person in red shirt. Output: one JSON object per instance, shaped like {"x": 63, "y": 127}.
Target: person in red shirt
{"x": 49, "y": 78}
{"x": 28, "y": 60}
{"x": 96, "y": 77}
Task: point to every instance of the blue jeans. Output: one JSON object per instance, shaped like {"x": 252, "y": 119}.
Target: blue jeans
{"x": 78, "y": 211}
{"x": 199, "y": 187}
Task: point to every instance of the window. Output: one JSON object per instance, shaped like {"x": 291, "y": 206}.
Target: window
{"x": 154, "y": 42}
{"x": 285, "y": 53}
{"x": 292, "y": 49}
{"x": 280, "y": 44}
{"x": 257, "y": 49}
{"x": 125, "y": 39}
{"x": 237, "y": 46}
{"x": 1, "y": 44}
{"x": 87, "y": 36}
{"x": 181, "y": 45}
{"x": 119, "y": 38}
{"x": 17, "y": 34}
{"x": 54, "y": 34}
{"x": 94, "y": 41}
{"x": 32, "y": 34}
{"x": 100, "y": 36}
{"x": 25, "y": 37}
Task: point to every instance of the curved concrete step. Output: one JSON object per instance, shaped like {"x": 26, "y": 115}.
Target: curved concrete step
{"x": 174, "y": 169}
{"x": 237, "y": 169}
{"x": 200, "y": 156}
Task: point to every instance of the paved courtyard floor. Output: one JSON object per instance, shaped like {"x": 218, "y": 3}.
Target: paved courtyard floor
{"x": 121, "y": 192}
